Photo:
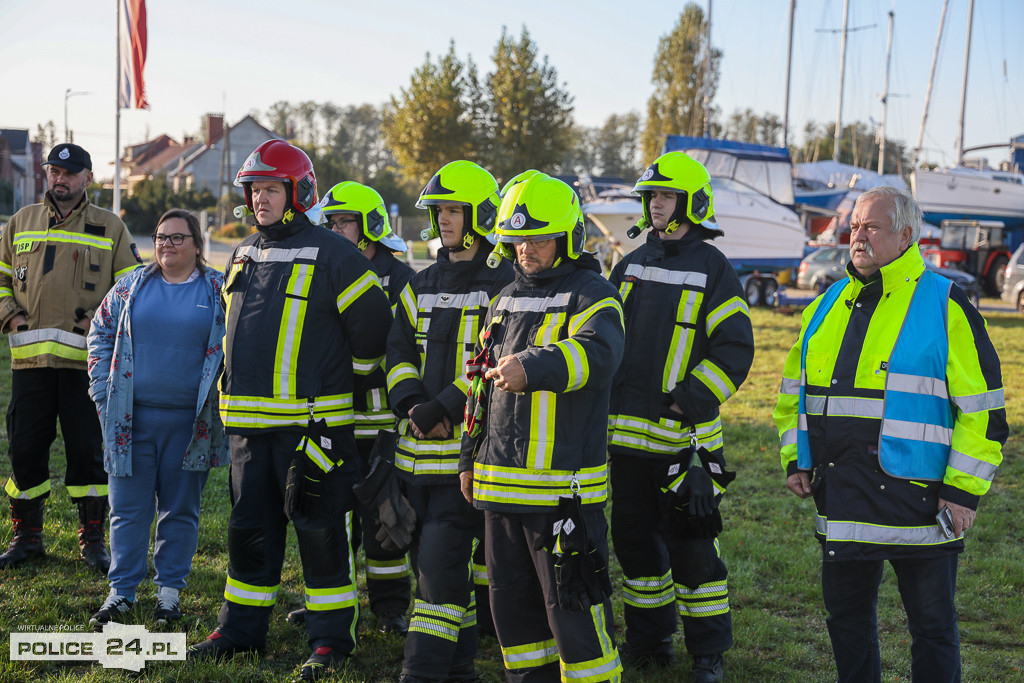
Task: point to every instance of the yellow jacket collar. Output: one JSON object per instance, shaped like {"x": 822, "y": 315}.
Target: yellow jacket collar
{"x": 905, "y": 269}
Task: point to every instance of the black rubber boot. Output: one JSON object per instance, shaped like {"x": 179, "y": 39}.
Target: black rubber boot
{"x": 27, "y": 520}
{"x": 92, "y": 516}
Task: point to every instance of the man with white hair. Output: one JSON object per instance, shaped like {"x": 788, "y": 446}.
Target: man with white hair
{"x": 891, "y": 410}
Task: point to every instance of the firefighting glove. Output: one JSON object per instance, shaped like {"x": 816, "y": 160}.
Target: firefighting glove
{"x": 426, "y": 415}
{"x": 312, "y": 461}
{"x": 581, "y": 575}
{"x": 388, "y": 512}
{"x": 690, "y": 498}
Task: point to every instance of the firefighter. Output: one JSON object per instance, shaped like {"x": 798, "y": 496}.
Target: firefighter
{"x": 689, "y": 346}
{"x": 535, "y": 460}
{"x": 891, "y": 410}
{"x": 58, "y": 259}
{"x": 357, "y": 213}
{"x": 428, "y": 347}
{"x": 306, "y": 324}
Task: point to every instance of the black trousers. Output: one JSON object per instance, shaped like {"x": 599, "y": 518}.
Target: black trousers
{"x": 442, "y": 639}
{"x": 39, "y": 397}
{"x": 662, "y": 573}
{"x": 541, "y": 642}
{"x": 256, "y": 543}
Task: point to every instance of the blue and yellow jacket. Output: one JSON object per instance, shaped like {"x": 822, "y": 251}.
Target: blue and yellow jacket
{"x": 892, "y": 398}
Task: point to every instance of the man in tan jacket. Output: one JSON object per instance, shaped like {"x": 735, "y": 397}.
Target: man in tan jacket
{"x": 57, "y": 261}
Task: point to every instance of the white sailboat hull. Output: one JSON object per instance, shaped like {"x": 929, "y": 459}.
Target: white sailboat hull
{"x": 965, "y": 193}
{"x": 757, "y": 230}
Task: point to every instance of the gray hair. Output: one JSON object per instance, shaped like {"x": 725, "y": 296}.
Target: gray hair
{"x": 904, "y": 212}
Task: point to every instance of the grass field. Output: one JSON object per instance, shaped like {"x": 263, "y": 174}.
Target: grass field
{"x": 773, "y": 560}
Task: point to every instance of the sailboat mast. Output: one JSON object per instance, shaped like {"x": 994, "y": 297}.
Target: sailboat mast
{"x": 885, "y": 96}
{"x": 963, "y": 91}
{"x": 707, "y": 74}
{"x": 931, "y": 80}
{"x": 842, "y": 77}
{"x": 789, "y": 72}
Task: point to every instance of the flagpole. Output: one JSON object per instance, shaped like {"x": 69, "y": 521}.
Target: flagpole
{"x": 117, "y": 119}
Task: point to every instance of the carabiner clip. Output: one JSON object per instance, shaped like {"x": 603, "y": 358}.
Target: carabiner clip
{"x": 309, "y": 404}
{"x": 574, "y": 485}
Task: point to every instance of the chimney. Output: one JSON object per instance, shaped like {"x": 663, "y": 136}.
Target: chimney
{"x": 214, "y": 127}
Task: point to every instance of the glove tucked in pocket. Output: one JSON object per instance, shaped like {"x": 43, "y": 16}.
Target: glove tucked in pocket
{"x": 312, "y": 461}
{"x": 581, "y": 574}
{"x": 692, "y": 486}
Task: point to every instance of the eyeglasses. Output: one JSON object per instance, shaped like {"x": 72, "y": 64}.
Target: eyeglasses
{"x": 338, "y": 222}
{"x": 176, "y": 238}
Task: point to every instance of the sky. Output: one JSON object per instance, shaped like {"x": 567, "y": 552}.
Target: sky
{"x": 241, "y": 56}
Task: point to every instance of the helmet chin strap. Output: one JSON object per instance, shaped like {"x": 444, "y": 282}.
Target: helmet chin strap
{"x": 468, "y": 238}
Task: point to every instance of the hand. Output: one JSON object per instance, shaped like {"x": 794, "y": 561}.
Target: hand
{"x": 16, "y": 322}
{"x": 800, "y": 484}
{"x": 466, "y": 484}
{"x": 85, "y": 322}
{"x": 963, "y": 518}
{"x": 428, "y": 420}
{"x": 508, "y": 375}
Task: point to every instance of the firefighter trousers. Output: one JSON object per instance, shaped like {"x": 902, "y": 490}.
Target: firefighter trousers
{"x": 39, "y": 397}
{"x": 388, "y": 576}
{"x": 442, "y": 639}
{"x": 662, "y": 573}
{"x": 541, "y": 642}
{"x": 257, "y": 532}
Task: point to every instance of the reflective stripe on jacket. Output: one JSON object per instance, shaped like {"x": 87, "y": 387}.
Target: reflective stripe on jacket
{"x": 688, "y": 340}
{"x": 306, "y": 324}
{"x": 432, "y": 338}
{"x": 54, "y": 272}
{"x": 565, "y": 327}
{"x": 860, "y": 368}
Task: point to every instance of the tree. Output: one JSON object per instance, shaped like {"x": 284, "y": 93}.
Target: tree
{"x": 358, "y": 139}
{"x": 152, "y": 196}
{"x": 616, "y": 146}
{"x": 746, "y": 126}
{"x": 436, "y": 119}
{"x": 529, "y": 120}
{"x": 858, "y": 147}
{"x": 676, "y": 105}
{"x": 46, "y": 134}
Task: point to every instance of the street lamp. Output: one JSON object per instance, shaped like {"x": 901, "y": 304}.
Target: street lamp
{"x": 70, "y": 93}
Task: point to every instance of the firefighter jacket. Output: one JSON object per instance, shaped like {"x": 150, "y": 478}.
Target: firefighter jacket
{"x": 372, "y": 412}
{"x": 55, "y": 272}
{"x": 307, "y": 322}
{"x": 428, "y": 347}
{"x": 898, "y": 373}
{"x": 689, "y": 341}
{"x": 565, "y": 326}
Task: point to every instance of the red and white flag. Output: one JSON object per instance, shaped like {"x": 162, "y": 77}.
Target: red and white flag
{"x": 132, "y": 33}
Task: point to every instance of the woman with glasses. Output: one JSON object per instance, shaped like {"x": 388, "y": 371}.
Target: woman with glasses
{"x": 154, "y": 358}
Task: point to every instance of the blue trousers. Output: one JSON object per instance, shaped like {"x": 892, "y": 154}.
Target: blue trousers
{"x": 926, "y": 587}
{"x": 157, "y": 486}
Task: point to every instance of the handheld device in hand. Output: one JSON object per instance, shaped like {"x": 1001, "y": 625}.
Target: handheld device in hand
{"x": 945, "y": 520}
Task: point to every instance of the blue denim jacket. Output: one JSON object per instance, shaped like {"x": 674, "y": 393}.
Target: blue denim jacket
{"x": 111, "y": 368}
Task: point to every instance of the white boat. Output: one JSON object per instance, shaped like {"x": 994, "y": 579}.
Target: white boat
{"x": 968, "y": 193}
{"x": 759, "y": 233}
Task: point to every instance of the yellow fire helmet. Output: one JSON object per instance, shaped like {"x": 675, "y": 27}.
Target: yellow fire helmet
{"x": 541, "y": 207}
{"x": 679, "y": 173}
{"x": 469, "y": 184}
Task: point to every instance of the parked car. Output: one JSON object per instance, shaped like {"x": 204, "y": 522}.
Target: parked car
{"x": 821, "y": 268}
{"x": 1013, "y": 285}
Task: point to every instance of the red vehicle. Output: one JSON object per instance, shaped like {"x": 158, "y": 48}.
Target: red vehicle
{"x": 975, "y": 247}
